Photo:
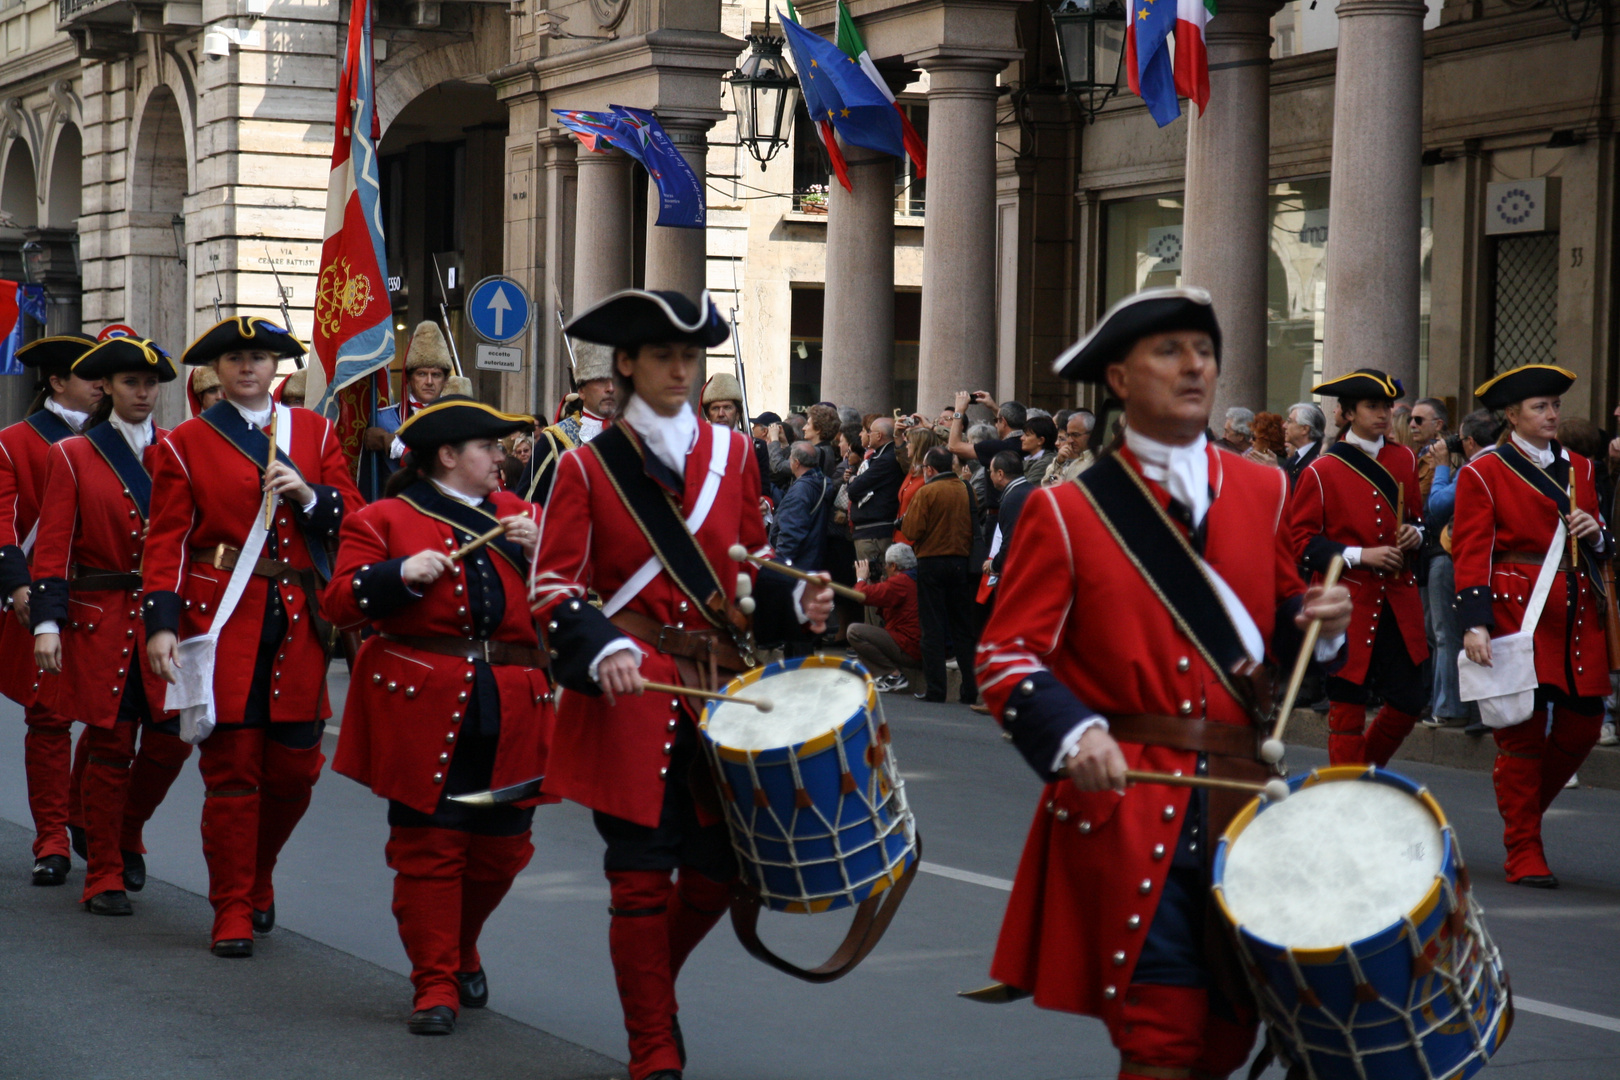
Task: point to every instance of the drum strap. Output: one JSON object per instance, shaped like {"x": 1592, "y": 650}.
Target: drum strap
{"x": 872, "y": 917}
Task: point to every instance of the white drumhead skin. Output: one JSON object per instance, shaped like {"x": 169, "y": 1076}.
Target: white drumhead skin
{"x": 809, "y": 701}
{"x": 1336, "y": 862}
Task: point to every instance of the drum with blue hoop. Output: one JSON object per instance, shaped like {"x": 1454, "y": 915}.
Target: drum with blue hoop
{"x": 1355, "y": 921}
{"x": 816, "y": 809}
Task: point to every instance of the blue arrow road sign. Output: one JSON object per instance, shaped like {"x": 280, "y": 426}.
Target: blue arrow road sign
{"x": 499, "y": 309}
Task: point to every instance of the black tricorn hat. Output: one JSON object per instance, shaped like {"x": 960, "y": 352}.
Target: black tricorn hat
{"x": 1151, "y": 311}
{"x": 55, "y": 354}
{"x": 242, "y": 332}
{"x": 635, "y": 317}
{"x": 120, "y": 354}
{"x": 1528, "y": 381}
{"x": 1362, "y": 384}
{"x": 455, "y": 418}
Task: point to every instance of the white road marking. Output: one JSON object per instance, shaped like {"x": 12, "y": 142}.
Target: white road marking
{"x": 1529, "y": 1005}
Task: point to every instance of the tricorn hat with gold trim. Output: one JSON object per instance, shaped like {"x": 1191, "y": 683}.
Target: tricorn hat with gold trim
{"x": 1362, "y": 384}
{"x": 455, "y": 418}
{"x": 1140, "y": 315}
{"x": 242, "y": 332}
{"x": 120, "y": 354}
{"x": 1528, "y": 381}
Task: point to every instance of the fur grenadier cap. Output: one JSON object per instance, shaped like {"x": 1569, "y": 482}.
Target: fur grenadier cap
{"x": 293, "y": 385}
{"x": 458, "y": 385}
{"x": 591, "y": 361}
{"x": 723, "y": 387}
{"x": 428, "y": 348}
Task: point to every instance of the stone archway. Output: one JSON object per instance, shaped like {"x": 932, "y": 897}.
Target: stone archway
{"x": 156, "y": 278}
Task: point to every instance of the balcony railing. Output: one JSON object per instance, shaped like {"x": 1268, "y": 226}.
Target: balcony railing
{"x": 72, "y": 11}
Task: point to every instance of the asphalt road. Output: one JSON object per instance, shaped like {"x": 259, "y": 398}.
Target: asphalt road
{"x": 546, "y": 948}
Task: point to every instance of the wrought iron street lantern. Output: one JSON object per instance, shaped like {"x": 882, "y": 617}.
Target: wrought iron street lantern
{"x": 1091, "y": 44}
{"x": 765, "y": 92}
{"x": 178, "y": 225}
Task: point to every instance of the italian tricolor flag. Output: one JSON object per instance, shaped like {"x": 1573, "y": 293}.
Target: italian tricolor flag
{"x": 853, "y": 45}
{"x": 1192, "y": 59}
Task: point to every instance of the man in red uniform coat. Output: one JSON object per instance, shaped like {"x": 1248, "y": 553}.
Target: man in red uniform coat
{"x": 1360, "y": 500}
{"x": 449, "y": 697}
{"x": 86, "y": 609}
{"x": 1110, "y": 913}
{"x": 668, "y": 615}
{"x": 208, "y": 490}
{"x": 60, "y": 410}
{"x": 1509, "y": 505}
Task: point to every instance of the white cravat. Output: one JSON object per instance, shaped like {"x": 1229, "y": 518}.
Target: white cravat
{"x": 257, "y": 419}
{"x": 1372, "y": 446}
{"x": 139, "y": 436}
{"x": 1183, "y": 470}
{"x": 590, "y": 426}
{"x": 459, "y": 496}
{"x": 72, "y": 417}
{"x": 1543, "y": 458}
{"x": 669, "y": 438}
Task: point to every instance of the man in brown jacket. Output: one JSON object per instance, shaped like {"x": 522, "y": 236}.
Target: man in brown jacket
{"x": 939, "y": 526}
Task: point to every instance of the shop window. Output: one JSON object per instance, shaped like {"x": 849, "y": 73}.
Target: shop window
{"x": 911, "y": 190}
{"x": 804, "y": 348}
{"x": 1524, "y": 301}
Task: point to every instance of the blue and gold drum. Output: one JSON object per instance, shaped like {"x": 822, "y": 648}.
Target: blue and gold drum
{"x": 815, "y": 806}
{"x": 1355, "y": 921}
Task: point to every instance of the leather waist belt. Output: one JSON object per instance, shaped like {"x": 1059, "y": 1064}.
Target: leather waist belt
{"x": 704, "y": 645}
{"x": 490, "y": 652}
{"x": 223, "y": 557}
{"x": 1184, "y": 733}
{"x": 1524, "y": 558}
{"x": 83, "y": 578}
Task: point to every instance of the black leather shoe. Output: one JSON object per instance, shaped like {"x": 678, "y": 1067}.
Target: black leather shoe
{"x": 680, "y": 1040}
{"x": 439, "y": 1020}
{"x": 80, "y": 842}
{"x": 234, "y": 948}
{"x": 134, "y": 871}
{"x": 1538, "y": 881}
{"x": 474, "y": 988}
{"x": 111, "y": 902}
{"x": 265, "y": 921}
{"x": 51, "y": 870}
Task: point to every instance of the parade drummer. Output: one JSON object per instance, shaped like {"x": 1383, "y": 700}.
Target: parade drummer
{"x": 1359, "y": 499}
{"x": 85, "y": 609}
{"x": 60, "y": 408}
{"x": 449, "y": 697}
{"x": 1108, "y": 912}
{"x": 669, "y": 615}
{"x": 582, "y": 416}
{"x": 1509, "y": 502}
{"x": 208, "y": 490}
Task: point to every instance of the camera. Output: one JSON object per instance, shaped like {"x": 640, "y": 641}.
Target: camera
{"x": 1454, "y": 444}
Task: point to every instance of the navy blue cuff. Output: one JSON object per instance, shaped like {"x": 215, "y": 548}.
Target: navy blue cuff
{"x": 48, "y": 602}
{"x": 1474, "y": 608}
{"x": 1286, "y": 638}
{"x": 161, "y": 610}
{"x": 575, "y": 634}
{"x": 774, "y": 620}
{"x": 380, "y": 589}
{"x": 327, "y": 513}
{"x": 13, "y": 570}
{"x": 1039, "y": 715}
{"x": 1319, "y": 551}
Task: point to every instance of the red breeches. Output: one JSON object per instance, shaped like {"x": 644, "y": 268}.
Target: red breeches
{"x": 446, "y": 885}
{"x": 47, "y": 762}
{"x": 1349, "y": 744}
{"x": 1170, "y": 1033}
{"x": 1532, "y": 766}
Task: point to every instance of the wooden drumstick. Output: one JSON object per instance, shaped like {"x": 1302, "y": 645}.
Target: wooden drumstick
{"x": 1275, "y": 789}
{"x": 269, "y": 496}
{"x": 740, "y": 553}
{"x": 1271, "y": 751}
{"x": 762, "y": 704}
{"x": 473, "y": 545}
{"x": 1574, "y": 543}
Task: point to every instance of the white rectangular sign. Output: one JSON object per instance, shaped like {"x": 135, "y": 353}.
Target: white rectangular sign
{"x": 1521, "y": 206}
{"x": 499, "y": 358}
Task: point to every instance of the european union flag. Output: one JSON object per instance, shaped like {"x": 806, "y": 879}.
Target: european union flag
{"x": 837, "y": 90}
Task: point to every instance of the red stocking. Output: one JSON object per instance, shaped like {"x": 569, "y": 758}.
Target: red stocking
{"x": 697, "y": 905}
{"x": 428, "y": 865}
{"x": 1572, "y": 738}
{"x": 1517, "y": 775}
{"x": 105, "y": 790}
{"x": 638, "y": 938}
{"x": 289, "y": 778}
{"x": 76, "y": 781}
{"x": 492, "y": 863}
{"x": 47, "y": 762}
{"x": 1346, "y": 744}
{"x": 1388, "y": 730}
{"x": 157, "y": 765}
{"x": 231, "y": 763}
{"x": 1160, "y": 1031}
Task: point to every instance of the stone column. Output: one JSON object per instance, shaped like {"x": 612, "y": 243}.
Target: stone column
{"x": 857, "y": 351}
{"x": 560, "y": 186}
{"x": 1226, "y": 235}
{"x": 678, "y": 258}
{"x": 1373, "y": 271}
{"x": 958, "y": 346}
{"x": 603, "y": 231}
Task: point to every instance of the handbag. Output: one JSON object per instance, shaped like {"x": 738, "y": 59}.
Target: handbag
{"x": 192, "y": 692}
{"x": 1506, "y": 691}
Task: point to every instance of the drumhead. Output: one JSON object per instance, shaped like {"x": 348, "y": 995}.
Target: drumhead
{"x": 1336, "y": 862}
{"x": 809, "y": 701}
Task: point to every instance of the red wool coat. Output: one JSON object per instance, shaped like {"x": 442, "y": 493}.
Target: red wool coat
{"x": 22, "y": 478}
{"x": 206, "y": 492}
{"x": 1499, "y": 512}
{"x": 405, "y": 704}
{"x": 612, "y": 757}
{"x": 1095, "y": 864}
{"x": 1335, "y": 507}
{"x": 89, "y": 518}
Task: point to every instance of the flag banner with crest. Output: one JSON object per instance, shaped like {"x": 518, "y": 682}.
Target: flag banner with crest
{"x": 681, "y": 201}
{"x": 17, "y": 300}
